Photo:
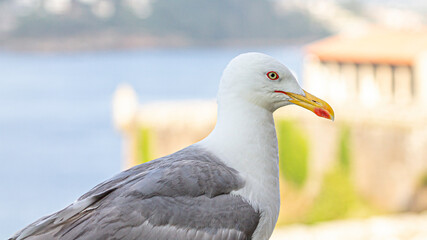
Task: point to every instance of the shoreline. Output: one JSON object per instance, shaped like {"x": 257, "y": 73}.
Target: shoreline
{"x": 113, "y": 41}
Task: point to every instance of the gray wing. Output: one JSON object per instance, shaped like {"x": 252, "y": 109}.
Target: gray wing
{"x": 185, "y": 195}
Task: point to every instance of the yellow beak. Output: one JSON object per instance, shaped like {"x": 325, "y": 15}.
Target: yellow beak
{"x": 312, "y": 103}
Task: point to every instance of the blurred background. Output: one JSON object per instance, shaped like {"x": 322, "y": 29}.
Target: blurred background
{"x": 90, "y": 87}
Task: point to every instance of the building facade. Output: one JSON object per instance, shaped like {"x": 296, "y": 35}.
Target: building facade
{"x": 377, "y": 83}
{"x": 373, "y": 68}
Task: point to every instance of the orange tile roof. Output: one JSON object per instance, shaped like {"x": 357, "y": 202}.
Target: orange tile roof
{"x": 374, "y": 46}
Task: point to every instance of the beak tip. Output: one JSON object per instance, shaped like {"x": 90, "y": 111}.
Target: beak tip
{"x": 323, "y": 113}
{"x": 312, "y": 103}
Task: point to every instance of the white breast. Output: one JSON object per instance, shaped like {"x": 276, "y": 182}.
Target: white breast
{"x": 246, "y": 141}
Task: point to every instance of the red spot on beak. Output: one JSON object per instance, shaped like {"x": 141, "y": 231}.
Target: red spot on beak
{"x": 322, "y": 113}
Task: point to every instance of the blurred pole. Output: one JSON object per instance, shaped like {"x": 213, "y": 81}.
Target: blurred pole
{"x": 125, "y": 108}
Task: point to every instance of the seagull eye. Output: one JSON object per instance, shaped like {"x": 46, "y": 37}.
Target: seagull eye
{"x": 272, "y": 75}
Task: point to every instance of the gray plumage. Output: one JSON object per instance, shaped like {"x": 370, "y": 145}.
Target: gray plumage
{"x": 185, "y": 195}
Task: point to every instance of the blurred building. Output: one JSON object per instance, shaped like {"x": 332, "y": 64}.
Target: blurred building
{"x": 376, "y": 80}
{"x": 373, "y": 68}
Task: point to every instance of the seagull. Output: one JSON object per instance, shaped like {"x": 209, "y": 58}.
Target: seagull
{"x": 224, "y": 187}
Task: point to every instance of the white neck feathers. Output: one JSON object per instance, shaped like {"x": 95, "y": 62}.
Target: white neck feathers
{"x": 245, "y": 139}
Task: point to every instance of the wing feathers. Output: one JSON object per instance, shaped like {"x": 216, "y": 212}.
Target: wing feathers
{"x": 181, "y": 196}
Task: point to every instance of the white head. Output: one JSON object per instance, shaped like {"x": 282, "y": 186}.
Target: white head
{"x": 262, "y": 80}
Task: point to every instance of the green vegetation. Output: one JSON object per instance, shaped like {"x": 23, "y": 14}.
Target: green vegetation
{"x": 338, "y": 197}
{"x": 230, "y": 19}
{"x": 144, "y": 145}
{"x": 293, "y": 152}
{"x": 423, "y": 180}
{"x": 195, "y": 20}
{"x": 344, "y": 149}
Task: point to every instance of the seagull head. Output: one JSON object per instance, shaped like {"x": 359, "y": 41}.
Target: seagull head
{"x": 262, "y": 80}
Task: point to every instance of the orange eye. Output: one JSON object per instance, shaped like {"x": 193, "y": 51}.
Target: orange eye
{"x": 272, "y": 75}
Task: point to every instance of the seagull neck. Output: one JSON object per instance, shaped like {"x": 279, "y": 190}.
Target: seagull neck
{"x": 244, "y": 135}
{"x": 245, "y": 139}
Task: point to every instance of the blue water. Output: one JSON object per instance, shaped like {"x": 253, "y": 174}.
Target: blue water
{"x": 56, "y": 135}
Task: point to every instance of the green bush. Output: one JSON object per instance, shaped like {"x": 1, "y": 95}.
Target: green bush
{"x": 344, "y": 149}
{"x": 144, "y": 145}
{"x": 293, "y": 153}
{"x": 335, "y": 200}
{"x": 338, "y": 197}
{"x": 423, "y": 180}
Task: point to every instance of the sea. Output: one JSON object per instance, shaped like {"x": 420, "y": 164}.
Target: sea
{"x": 57, "y": 139}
